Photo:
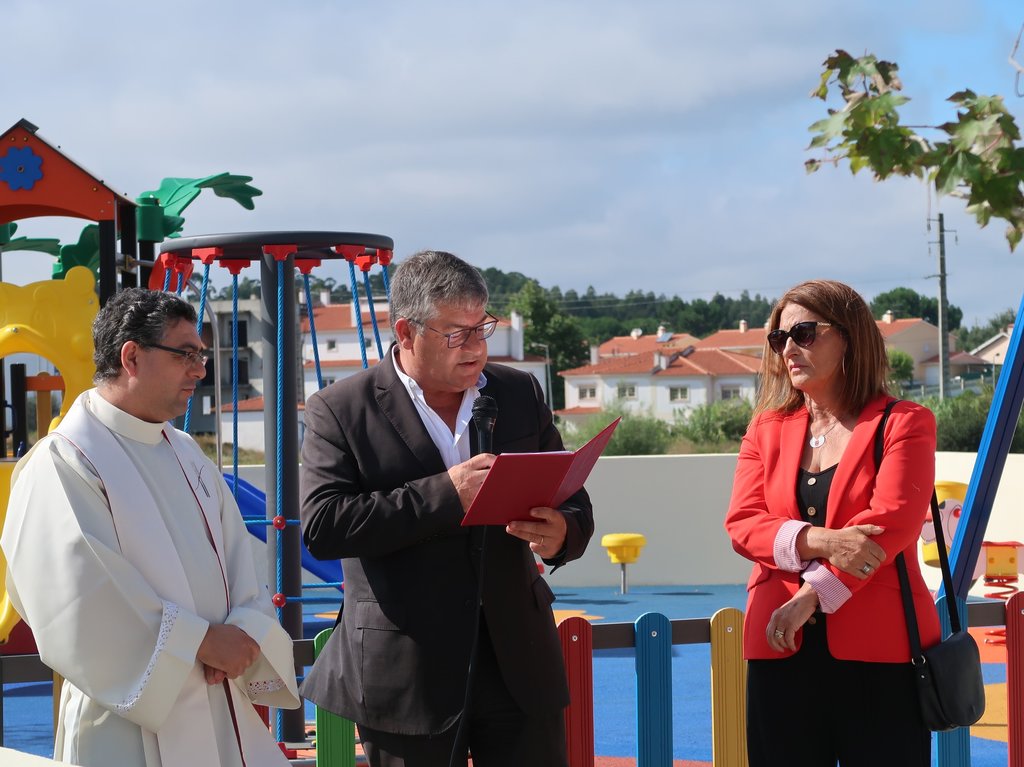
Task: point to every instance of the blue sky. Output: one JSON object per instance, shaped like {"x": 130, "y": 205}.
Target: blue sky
{"x": 650, "y": 145}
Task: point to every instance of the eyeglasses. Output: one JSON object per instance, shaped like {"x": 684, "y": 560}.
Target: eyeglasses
{"x": 459, "y": 338}
{"x": 190, "y": 357}
{"x": 803, "y": 335}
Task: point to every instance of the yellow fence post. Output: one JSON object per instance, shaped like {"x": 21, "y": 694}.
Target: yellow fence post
{"x": 728, "y": 690}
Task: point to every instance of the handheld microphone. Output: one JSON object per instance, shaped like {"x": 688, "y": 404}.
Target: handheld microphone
{"x": 485, "y": 413}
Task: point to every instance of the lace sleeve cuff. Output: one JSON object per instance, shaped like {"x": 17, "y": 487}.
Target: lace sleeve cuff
{"x": 264, "y": 686}
{"x": 170, "y": 615}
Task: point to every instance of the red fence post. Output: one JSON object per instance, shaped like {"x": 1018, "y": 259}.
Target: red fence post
{"x": 1014, "y": 674}
{"x": 576, "y": 636}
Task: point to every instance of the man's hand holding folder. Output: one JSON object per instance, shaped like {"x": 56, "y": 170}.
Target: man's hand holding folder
{"x": 518, "y": 482}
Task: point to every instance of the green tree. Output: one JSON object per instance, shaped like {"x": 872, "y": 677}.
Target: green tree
{"x": 907, "y": 303}
{"x": 972, "y": 338}
{"x": 546, "y": 324}
{"x": 247, "y": 288}
{"x": 502, "y": 286}
{"x": 976, "y": 156}
{"x": 901, "y": 369}
{"x": 599, "y": 329}
{"x": 716, "y": 423}
{"x": 960, "y": 421}
{"x": 636, "y": 434}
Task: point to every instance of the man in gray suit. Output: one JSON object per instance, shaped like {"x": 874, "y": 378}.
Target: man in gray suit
{"x": 447, "y": 640}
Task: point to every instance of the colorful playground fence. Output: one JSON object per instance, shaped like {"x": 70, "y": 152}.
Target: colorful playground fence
{"x": 652, "y": 636}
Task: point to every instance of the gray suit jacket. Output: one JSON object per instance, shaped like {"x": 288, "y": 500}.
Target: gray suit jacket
{"x": 376, "y": 494}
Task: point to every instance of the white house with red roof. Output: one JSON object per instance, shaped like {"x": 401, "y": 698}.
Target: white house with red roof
{"x": 668, "y": 374}
{"x": 663, "y": 383}
{"x": 744, "y": 339}
{"x": 637, "y": 343}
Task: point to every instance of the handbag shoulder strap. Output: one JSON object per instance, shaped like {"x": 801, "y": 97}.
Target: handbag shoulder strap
{"x": 901, "y": 565}
{"x": 947, "y": 575}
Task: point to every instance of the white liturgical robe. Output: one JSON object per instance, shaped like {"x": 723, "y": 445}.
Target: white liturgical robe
{"x": 123, "y": 545}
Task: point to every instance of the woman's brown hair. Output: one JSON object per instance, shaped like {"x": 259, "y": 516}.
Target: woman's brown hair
{"x": 865, "y": 367}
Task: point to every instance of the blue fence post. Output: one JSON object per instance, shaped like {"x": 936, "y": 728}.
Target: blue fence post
{"x": 654, "y": 690}
{"x": 954, "y": 747}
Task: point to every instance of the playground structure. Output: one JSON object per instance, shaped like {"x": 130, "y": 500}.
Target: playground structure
{"x": 47, "y": 183}
{"x": 53, "y": 319}
{"x": 279, "y": 255}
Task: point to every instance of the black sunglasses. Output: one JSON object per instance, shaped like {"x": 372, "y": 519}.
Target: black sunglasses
{"x": 803, "y": 335}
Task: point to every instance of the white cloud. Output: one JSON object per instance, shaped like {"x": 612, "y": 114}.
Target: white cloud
{"x": 655, "y": 145}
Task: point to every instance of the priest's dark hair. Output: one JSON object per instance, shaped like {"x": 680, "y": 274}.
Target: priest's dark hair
{"x": 134, "y": 314}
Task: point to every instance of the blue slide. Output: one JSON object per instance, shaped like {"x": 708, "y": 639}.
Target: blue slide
{"x": 253, "y": 503}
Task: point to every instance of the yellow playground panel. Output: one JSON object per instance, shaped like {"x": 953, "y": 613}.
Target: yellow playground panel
{"x": 51, "y": 319}
{"x": 950, "y": 496}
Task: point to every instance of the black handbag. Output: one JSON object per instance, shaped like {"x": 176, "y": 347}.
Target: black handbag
{"x": 950, "y": 688}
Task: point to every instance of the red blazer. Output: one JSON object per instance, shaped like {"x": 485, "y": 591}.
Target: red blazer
{"x": 870, "y": 626}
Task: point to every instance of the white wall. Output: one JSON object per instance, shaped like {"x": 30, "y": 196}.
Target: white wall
{"x": 250, "y": 429}
{"x": 678, "y": 503}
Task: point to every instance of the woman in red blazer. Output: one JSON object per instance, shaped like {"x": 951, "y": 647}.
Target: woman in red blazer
{"x": 829, "y": 676}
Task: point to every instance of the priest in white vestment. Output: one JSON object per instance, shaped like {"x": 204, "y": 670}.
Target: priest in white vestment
{"x": 128, "y": 557}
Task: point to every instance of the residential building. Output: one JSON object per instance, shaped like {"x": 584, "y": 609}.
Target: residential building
{"x": 217, "y": 334}
{"x": 919, "y": 339}
{"x": 339, "y": 347}
{"x": 666, "y": 385}
{"x": 667, "y": 375}
{"x": 993, "y": 351}
{"x": 637, "y": 343}
{"x": 743, "y": 339}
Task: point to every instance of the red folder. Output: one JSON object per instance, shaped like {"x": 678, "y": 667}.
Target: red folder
{"x": 518, "y": 482}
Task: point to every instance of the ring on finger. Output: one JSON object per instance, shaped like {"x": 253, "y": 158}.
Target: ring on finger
{"x": 779, "y": 634}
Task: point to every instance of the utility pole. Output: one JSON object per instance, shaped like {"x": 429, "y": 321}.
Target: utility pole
{"x": 943, "y": 312}
{"x": 547, "y": 372}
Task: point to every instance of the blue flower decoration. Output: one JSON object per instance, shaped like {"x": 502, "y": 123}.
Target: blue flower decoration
{"x": 20, "y": 168}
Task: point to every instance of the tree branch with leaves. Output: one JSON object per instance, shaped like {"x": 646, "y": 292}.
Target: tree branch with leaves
{"x": 977, "y": 159}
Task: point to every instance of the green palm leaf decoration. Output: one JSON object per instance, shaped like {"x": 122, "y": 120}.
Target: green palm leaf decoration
{"x": 37, "y": 244}
{"x": 85, "y": 252}
{"x": 176, "y": 194}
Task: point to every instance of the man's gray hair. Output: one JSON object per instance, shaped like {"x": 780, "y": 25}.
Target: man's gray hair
{"x": 430, "y": 279}
{"x": 134, "y": 314}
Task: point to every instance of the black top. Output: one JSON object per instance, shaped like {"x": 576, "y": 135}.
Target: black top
{"x": 812, "y": 499}
{"x": 812, "y": 494}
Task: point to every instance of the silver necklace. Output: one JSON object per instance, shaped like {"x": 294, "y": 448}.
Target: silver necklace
{"x": 816, "y": 442}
